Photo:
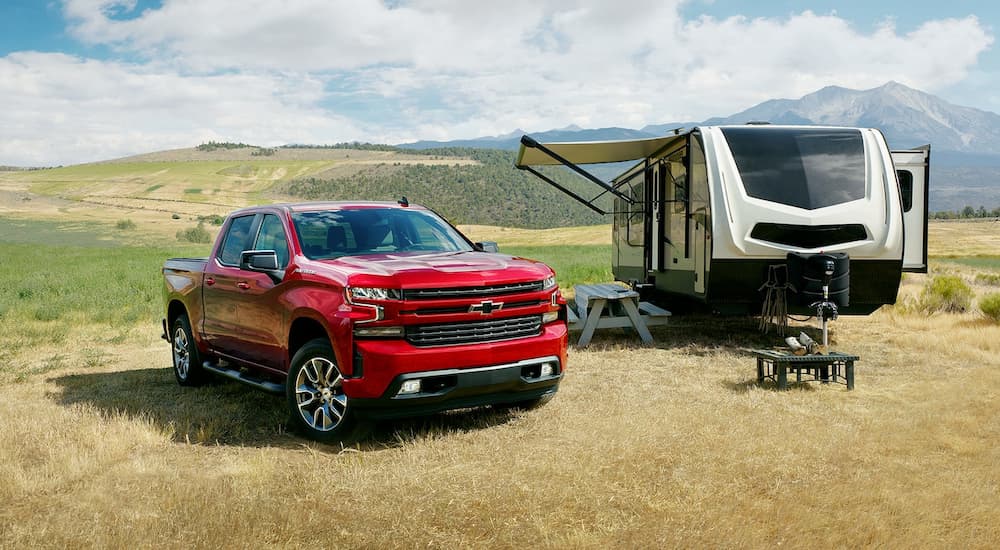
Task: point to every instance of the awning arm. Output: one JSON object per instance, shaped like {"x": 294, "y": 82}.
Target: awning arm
{"x": 549, "y": 181}
{"x": 528, "y": 141}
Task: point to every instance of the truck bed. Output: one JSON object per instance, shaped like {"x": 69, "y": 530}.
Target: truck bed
{"x": 186, "y": 264}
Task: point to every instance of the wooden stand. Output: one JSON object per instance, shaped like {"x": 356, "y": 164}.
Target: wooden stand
{"x": 834, "y": 367}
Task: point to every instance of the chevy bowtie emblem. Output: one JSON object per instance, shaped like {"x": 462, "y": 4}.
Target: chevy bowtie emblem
{"x": 486, "y": 307}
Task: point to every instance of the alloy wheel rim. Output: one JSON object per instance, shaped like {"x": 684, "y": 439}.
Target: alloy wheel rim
{"x": 182, "y": 358}
{"x": 319, "y": 394}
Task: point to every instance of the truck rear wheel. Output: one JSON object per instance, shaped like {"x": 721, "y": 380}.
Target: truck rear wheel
{"x": 187, "y": 360}
{"x": 317, "y": 404}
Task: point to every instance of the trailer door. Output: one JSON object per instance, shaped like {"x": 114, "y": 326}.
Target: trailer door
{"x": 913, "y": 173}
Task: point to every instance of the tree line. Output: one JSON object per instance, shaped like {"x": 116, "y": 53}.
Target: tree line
{"x": 966, "y": 213}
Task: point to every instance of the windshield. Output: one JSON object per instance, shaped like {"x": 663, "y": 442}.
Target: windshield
{"x": 805, "y": 167}
{"x": 329, "y": 234}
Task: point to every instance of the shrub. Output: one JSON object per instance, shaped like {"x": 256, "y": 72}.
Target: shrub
{"x": 125, "y": 224}
{"x": 990, "y": 306}
{"x": 213, "y": 219}
{"x": 988, "y": 278}
{"x": 195, "y": 234}
{"x": 175, "y": 216}
{"x": 947, "y": 293}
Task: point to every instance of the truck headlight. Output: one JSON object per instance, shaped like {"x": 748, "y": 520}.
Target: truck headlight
{"x": 549, "y": 282}
{"x": 373, "y": 293}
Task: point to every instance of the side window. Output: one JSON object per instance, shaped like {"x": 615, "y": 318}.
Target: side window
{"x": 905, "y": 188}
{"x": 272, "y": 237}
{"x": 237, "y": 240}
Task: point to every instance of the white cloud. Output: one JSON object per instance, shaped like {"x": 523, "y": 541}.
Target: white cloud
{"x": 319, "y": 70}
{"x": 60, "y": 109}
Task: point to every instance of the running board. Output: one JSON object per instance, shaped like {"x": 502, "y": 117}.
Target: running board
{"x": 243, "y": 377}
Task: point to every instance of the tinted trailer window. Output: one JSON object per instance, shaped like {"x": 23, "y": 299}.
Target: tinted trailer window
{"x": 808, "y": 168}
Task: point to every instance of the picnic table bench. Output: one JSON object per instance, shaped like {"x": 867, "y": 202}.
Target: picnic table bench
{"x": 600, "y": 306}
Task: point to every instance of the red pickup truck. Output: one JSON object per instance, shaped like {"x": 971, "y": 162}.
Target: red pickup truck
{"x": 363, "y": 310}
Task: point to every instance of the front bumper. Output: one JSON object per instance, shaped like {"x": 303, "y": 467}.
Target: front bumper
{"x": 462, "y": 388}
{"x": 457, "y": 376}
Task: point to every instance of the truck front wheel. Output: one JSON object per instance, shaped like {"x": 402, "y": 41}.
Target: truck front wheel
{"x": 187, "y": 360}
{"x": 317, "y": 403}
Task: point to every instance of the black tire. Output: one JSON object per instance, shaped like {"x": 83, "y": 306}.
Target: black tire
{"x": 318, "y": 408}
{"x": 184, "y": 351}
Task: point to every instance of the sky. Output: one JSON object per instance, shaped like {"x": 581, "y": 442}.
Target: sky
{"x": 89, "y": 80}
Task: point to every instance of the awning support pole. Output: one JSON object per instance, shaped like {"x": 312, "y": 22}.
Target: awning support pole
{"x": 549, "y": 181}
{"x": 528, "y": 141}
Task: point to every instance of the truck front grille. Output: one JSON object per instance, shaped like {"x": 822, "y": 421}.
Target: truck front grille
{"x": 470, "y": 291}
{"x": 474, "y": 332}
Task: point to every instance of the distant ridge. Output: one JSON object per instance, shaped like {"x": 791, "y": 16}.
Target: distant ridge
{"x": 513, "y": 140}
{"x": 908, "y": 117}
{"x": 965, "y": 142}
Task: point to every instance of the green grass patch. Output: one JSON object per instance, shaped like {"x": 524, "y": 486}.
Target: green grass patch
{"x": 152, "y": 188}
{"x": 192, "y": 191}
{"x": 48, "y": 291}
{"x": 577, "y": 264}
{"x": 126, "y": 224}
{"x": 76, "y": 234}
{"x": 981, "y": 262}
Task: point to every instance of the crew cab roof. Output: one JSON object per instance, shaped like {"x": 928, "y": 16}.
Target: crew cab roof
{"x": 325, "y": 205}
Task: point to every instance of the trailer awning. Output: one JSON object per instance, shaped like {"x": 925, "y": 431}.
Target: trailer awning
{"x": 593, "y": 152}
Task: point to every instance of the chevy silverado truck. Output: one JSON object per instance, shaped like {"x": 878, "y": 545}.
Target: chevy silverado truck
{"x": 361, "y": 311}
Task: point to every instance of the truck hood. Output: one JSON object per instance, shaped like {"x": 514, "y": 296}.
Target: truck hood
{"x": 420, "y": 270}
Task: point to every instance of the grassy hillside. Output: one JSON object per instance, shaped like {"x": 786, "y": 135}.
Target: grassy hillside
{"x": 467, "y": 186}
{"x": 490, "y": 191}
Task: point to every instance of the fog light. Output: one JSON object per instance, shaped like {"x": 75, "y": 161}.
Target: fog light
{"x": 379, "y": 332}
{"x": 550, "y": 317}
{"x": 409, "y": 386}
{"x": 547, "y": 370}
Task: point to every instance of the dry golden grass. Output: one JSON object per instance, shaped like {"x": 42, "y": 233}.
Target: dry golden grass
{"x": 964, "y": 238}
{"x": 673, "y": 445}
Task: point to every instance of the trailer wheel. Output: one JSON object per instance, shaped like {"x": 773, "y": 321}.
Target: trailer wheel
{"x": 187, "y": 360}
{"x": 317, "y": 404}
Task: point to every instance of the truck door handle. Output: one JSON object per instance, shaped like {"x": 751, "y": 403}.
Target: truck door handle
{"x": 243, "y": 285}
{"x": 209, "y": 281}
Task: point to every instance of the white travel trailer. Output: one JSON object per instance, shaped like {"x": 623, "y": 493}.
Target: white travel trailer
{"x": 705, "y": 213}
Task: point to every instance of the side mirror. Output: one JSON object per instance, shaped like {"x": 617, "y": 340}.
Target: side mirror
{"x": 262, "y": 261}
{"x": 487, "y": 246}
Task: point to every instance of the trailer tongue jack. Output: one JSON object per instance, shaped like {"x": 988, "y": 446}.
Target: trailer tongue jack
{"x": 825, "y": 309}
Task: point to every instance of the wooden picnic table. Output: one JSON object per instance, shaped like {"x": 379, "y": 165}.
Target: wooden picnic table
{"x": 599, "y": 306}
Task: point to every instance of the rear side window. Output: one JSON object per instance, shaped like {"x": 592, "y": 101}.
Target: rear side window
{"x": 237, "y": 240}
{"x": 808, "y": 168}
{"x": 906, "y": 188}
